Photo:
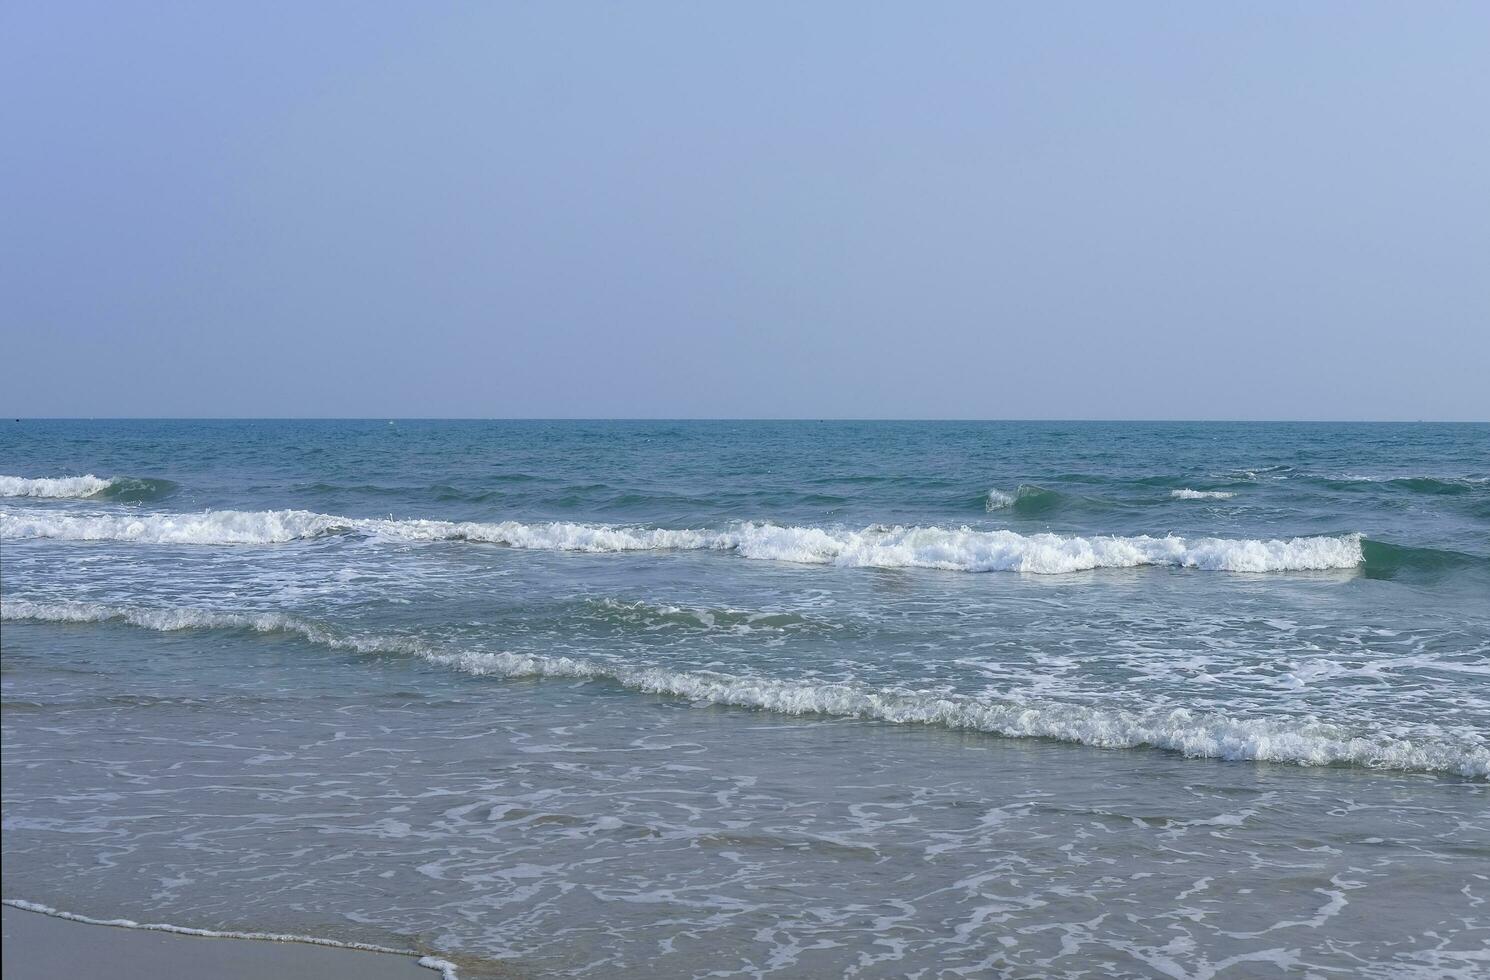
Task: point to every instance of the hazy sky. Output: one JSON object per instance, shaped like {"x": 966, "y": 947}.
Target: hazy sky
{"x": 990, "y": 210}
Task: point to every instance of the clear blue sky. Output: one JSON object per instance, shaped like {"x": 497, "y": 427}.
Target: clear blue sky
{"x": 987, "y": 210}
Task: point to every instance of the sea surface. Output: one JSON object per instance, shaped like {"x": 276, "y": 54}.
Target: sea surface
{"x": 760, "y": 699}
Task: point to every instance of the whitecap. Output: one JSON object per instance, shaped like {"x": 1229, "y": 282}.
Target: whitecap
{"x": 58, "y": 487}
{"x": 998, "y": 500}
{"x": 1199, "y": 734}
{"x": 960, "y": 549}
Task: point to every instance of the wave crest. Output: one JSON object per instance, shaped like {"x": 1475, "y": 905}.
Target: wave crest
{"x": 1030, "y": 500}
{"x": 998, "y": 500}
{"x": 124, "y": 489}
{"x": 1302, "y": 741}
{"x": 74, "y": 487}
{"x": 949, "y": 549}
{"x": 208, "y": 527}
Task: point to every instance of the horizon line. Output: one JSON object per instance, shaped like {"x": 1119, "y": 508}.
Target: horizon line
{"x": 743, "y": 418}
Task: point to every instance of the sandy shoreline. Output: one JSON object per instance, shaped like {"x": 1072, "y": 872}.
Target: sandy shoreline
{"x": 39, "y": 946}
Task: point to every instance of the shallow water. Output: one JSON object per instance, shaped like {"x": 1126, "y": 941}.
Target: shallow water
{"x": 761, "y": 699}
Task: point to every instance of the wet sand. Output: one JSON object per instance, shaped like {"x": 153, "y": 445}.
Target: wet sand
{"x": 44, "y": 947}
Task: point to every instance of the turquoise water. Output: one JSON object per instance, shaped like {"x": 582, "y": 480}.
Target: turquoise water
{"x": 760, "y": 698}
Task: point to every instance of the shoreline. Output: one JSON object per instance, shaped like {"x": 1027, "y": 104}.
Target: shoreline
{"x": 41, "y": 941}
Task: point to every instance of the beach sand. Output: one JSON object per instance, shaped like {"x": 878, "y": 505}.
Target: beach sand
{"x": 43, "y": 946}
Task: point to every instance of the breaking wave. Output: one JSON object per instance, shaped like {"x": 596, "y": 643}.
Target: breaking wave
{"x": 64, "y": 486}
{"x": 1188, "y": 494}
{"x": 123, "y": 489}
{"x": 997, "y": 500}
{"x": 1302, "y": 741}
{"x": 961, "y": 549}
{"x": 1029, "y": 500}
{"x": 208, "y": 527}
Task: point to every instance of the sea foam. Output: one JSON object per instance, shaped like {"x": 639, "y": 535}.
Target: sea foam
{"x": 446, "y": 968}
{"x": 86, "y": 485}
{"x": 1202, "y": 734}
{"x": 1188, "y": 494}
{"x": 208, "y": 527}
{"x": 998, "y": 500}
{"x": 961, "y": 549}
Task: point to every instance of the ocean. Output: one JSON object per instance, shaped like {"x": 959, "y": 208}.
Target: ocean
{"x": 760, "y": 699}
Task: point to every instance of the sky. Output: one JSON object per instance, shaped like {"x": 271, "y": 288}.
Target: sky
{"x": 866, "y": 210}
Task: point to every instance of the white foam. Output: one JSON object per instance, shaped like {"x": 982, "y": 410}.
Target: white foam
{"x": 208, "y": 527}
{"x": 447, "y": 969}
{"x": 653, "y": 616}
{"x": 1449, "y": 479}
{"x": 1214, "y": 735}
{"x": 961, "y": 549}
{"x": 172, "y": 619}
{"x": 998, "y": 500}
{"x": 65, "y": 486}
{"x": 1188, "y": 494}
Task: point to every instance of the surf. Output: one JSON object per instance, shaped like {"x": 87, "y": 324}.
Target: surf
{"x": 959, "y": 549}
{"x": 1195, "y": 734}
{"x": 120, "y": 489}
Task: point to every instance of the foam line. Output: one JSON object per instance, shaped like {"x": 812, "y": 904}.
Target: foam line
{"x": 961, "y": 549}
{"x": 59, "y": 487}
{"x": 1197, "y": 734}
{"x": 447, "y": 969}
